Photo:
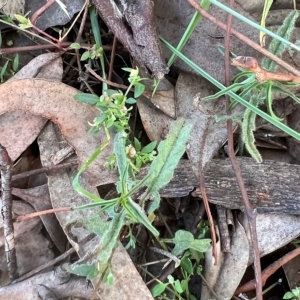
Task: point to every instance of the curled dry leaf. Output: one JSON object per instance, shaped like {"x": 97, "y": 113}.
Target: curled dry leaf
{"x": 54, "y": 100}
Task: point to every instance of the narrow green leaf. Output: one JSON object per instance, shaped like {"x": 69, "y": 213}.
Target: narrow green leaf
{"x": 3, "y": 70}
{"x": 149, "y": 148}
{"x": 16, "y": 63}
{"x": 21, "y": 19}
{"x": 187, "y": 265}
{"x": 266, "y": 9}
{"x": 269, "y": 101}
{"x": 86, "y": 55}
{"x": 189, "y": 30}
{"x": 277, "y": 47}
{"x": 177, "y": 286}
{"x": 86, "y": 98}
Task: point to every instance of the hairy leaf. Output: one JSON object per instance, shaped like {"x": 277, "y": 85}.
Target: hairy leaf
{"x": 169, "y": 154}
{"x": 277, "y": 47}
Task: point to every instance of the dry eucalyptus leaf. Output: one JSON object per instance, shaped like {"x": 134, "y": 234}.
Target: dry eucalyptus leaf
{"x": 75, "y": 286}
{"x": 12, "y": 7}
{"x": 155, "y": 122}
{"x": 163, "y": 100}
{"x": 20, "y": 129}
{"x": 33, "y": 250}
{"x": 54, "y": 100}
{"x": 233, "y": 266}
{"x": 54, "y": 15}
{"x": 207, "y": 135}
{"x": 39, "y": 198}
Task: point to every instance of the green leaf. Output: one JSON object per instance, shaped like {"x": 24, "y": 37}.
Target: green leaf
{"x": 149, "y": 148}
{"x": 75, "y": 46}
{"x": 266, "y": 9}
{"x": 130, "y": 100}
{"x": 169, "y": 153}
{"x": 86, "y": 98}
{"x": 178, "y": 287}
{"x": 189, "y": 30}
{"x": 85, "y": 55}
{"x": 3, "y": 70}
{"x": 89, "y": 271}
{"x": 277, "y": 47}
{"x": 288, "y": 295}
{"x": 187, "y": 265}
{"x": 16, "y": 63}
{"x": 137, "y": 144}
{"x": 184, "y": 240}
{"x": 139, "y": 89}
{"x": 21, "y": 19}
{"x": 158, "y": 289}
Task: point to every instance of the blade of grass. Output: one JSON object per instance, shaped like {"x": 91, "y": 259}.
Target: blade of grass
{"x": 98, "y": 40}
{"x": 267, "y": 7}
{"x": 242, "y": 101}
{"x": 253, "y": 24}
{"x": 189, "y": 30}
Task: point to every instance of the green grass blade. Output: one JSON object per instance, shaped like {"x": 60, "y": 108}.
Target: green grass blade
{"x": 277, "y": 47}
{"x": 267, "y": 7}
{"x": 269, "y": 101}
{"x": 284, "y": 91}
{"x": 98, "y": 40}
{"x": 189, "y": 30}
{"x": 253, "y": 24}
{"x": 234, "y": 96}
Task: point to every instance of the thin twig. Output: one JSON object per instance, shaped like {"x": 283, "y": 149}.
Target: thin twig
{"x": 53, "y": 261}
{"x": 47, "y": 46}
{"x": 41, "y": 213}
{"x": 165, "y": 253}
{"x": 44, "y": 170}
{"x": 112, "y": 58}
{"x": 209, "y": 216}
{"x": 40, "y": 11}
{"x": 271, "y": 269}
{"x": 248, "y": 207}
{"x": 120, "y": 86}
{"x": 6, "y": 211}
{"x": 244, "y": 39}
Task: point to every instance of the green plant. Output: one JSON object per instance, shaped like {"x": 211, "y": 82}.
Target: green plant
{"x": 258, "y": 85}
{"x": 124, "y": 210}
{"x": 189, "y": 265}
{"x": 294, "y": 294}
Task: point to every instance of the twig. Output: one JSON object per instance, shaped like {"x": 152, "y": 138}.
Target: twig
{"x": 44, "y": 170}
{"x": 251, "y": 215}
{"x": 120, "y": 86}
{"x": 209, "y": 216}
{"x": 6, "y": 211}
{"x": 47, "y": 46}
{"x": 41, "y": 213}
{"x": 271, "y": 269}
{"x": 53, "y": 261}
{"x": 112, "y": 58}
{"x": 40, "y": 11}
{"x": 165, "y": 253}
{"x": 245, "y": 39}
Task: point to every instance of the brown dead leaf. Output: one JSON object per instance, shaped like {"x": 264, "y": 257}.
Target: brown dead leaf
{"x": 163, "y": 100}
{"x": 207, "y": 135}
{"x": 54, "y": 100}
{"x": 20, "y": 129}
